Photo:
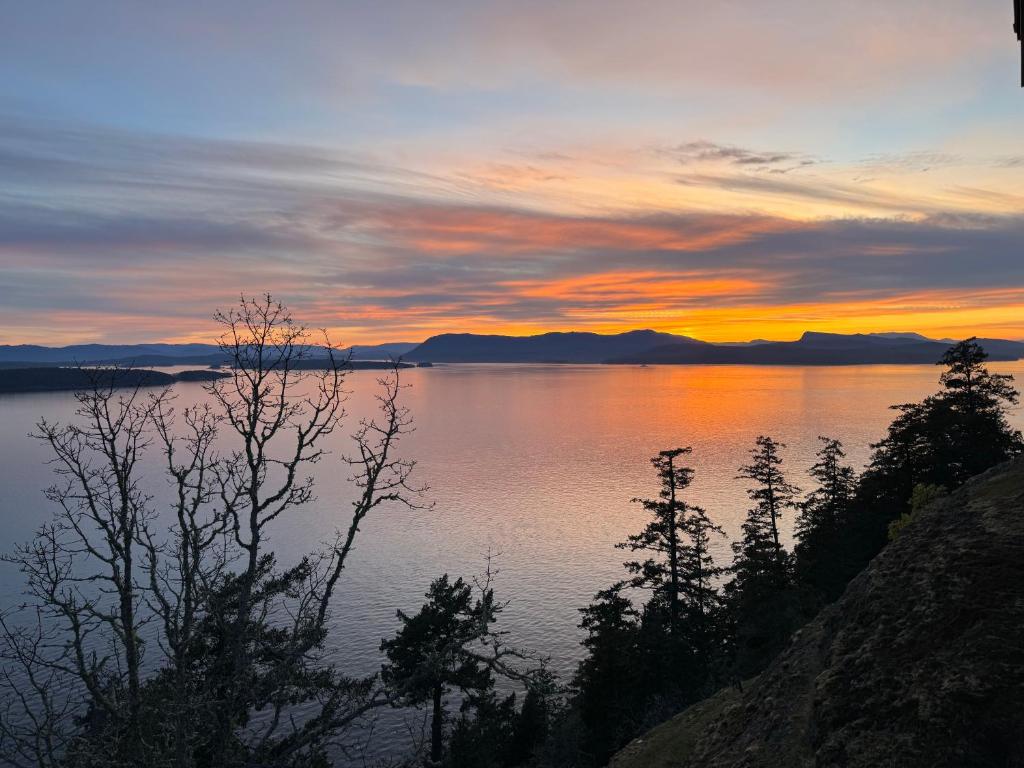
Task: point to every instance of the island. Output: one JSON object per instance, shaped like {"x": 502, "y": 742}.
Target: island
{"x": 51, "y": 378}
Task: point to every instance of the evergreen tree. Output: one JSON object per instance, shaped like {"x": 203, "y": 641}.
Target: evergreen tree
{"x": 610, "y": 680}
{"x": 491, "y": 733}
{"x": 760, "y": 555}
{"x": 763, "y": 603}
{"x": 699, "y": 595}
{"x": 533, "y": 722}
{"x": 977, "y": 399}
{"x": 820, "y": 524}
{"x": 663, "y": 535}
{"x": 942, "y": 441}
{"x": 681, "y": 573}
{"x": 647, "y": 663}
{"x": 432, "y": 653}
{"x": 483, "y": 733}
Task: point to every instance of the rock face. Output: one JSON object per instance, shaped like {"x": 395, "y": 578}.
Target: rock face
{"x": 919, "y": 663}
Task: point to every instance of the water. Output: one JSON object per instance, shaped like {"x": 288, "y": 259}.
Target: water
{"x": 534, "y": 463}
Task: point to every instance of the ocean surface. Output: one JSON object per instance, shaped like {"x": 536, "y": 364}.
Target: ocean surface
{"x": 535, "y": 464}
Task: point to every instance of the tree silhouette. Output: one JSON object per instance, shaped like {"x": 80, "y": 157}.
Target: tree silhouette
{"x": 821, "y": 522}
{"x": 230, "y": 632}
{"x": 437, "y": 650}
{"x": 762, "y": 601}
{"x": 700, "y": 597}
{"x": 613, "y": 686}
{"x": 760, "y": 552}
{"x": 936, "y": 444}
{"x": 662, "y": 535}
{"x": 976, "y": 400}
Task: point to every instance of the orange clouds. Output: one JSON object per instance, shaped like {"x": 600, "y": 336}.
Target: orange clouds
{"x": 633, "y": 286}
{"x": 464, "y": 230}
{"x": 434, "y": 253}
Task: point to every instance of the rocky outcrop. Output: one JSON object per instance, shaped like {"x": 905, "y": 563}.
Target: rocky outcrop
{"x": 919, "y": 663}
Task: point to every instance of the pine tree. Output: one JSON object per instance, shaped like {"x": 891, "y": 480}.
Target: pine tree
{"x": 432, "y": 652}
{"x": 821, "y": 521}
{"x": 763, "y": 604}
{"x": 663, "y": 535}
{"x": 976, "y": 399}
{"x": 937, "y": 444}
{"x": 760, "y": 553}
{"x": 610, "y": 681}
{"x": 700, "y": 597}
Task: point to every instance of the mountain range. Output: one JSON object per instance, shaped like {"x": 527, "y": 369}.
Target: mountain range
{"x": 631, "y": 347}
{"x": 651, "y": 347}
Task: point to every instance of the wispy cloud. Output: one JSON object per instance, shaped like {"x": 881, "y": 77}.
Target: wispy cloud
{"x": 708, "y": 151}
{"x": 119, "y": 236}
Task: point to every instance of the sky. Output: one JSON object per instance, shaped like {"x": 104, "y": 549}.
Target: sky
{"x": 391, "y": 170}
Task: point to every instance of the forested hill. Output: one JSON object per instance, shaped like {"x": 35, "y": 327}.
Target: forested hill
{"x": 631, "y": 347}
{"x": 920, "y": 662}
{"x": 821, "y": 349}
{"x": 572, "y": 347}
{"x": 25, "y": 355}
{"x": 650, "y": 347}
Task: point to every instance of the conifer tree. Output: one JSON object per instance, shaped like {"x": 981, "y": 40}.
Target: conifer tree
{"x": 976, "y": 399}
{"x": 820, "y": 534}
{"x": 700, "y": 597}
{"x": 610, "y": 680}
{"x": 935, "y": 444}
{"x": 763, "y": 605}
{"x": 663, "y": 535}
{"x": 760, "y": 553}
{"x": 432, "y": 653}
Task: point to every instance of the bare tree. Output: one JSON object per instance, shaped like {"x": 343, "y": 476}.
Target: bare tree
{"x": 183, "y": 569}
{"x": 82, "y": 569}
{"x": 236, "y": 633}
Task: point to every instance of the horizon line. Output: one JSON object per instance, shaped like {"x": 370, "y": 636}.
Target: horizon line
{"x": 213, "y": 342}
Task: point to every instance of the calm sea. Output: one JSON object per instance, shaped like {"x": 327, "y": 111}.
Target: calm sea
{"x": 533, "y": 463}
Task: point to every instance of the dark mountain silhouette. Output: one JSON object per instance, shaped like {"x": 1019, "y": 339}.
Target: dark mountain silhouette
{"x": 390, "y": 351}
{"x": 572, "y": 347}
{"x": 813, "y": 348}
{"x": 94, "y": 353}
{"x": 54, "y": 378}
{"x": 642, "y": 346}
{"x": 28, "y": 355}
{"x": 819, "y": 349}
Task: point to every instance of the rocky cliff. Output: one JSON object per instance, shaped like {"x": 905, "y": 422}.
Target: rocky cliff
{"x": 919, "y": 663}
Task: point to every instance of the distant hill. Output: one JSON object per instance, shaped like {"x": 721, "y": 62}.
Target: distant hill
{"x": 25, "y": 355}
{"x": 819, "y": 349}
{"x": 572, "y": 347}
{"x": 642, "y": 346}
{"x": 93, "y": 353}
{"x": 813, "y": 348}
{"x": 53, "y": 378}
{"x": 391, "y": 351}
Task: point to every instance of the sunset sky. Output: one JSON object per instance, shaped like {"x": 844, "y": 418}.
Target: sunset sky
{"x": 726, "y": 170}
